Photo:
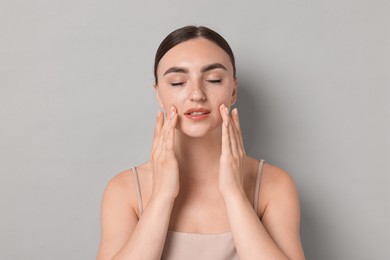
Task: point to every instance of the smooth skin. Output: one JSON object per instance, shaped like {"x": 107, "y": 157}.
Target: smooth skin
{"x": 199, "y": 178}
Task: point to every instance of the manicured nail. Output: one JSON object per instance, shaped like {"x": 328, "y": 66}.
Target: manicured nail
{"x": 235, "y": 111}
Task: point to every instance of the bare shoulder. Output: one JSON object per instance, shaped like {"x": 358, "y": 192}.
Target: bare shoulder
{"x": 120, "y": 183}
{"x": 276, "y": 177}
{"x": 280, "y": 210}
{"x": 118, "y": 192}
{"x": 276, "y": 186}
{"x": 119, "y": 212}
{"x": 122, "y": 186}
{"x": 273, "y": 177}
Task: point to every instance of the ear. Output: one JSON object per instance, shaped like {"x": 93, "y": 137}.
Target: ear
{"x": 234, "y": 93}
{"x": 158, "y": 95}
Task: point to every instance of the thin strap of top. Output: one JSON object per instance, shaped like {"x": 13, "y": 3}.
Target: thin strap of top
{"x": 138, "y": 188}
{"x": 256, "y": 195}
{"x": 255, "y": 199}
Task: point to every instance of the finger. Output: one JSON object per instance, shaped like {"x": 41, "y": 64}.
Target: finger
{"x": 160, "y": 142}
{"x": 236, "y": 121}
{"x": 167, "y": 127}
{"x": 174, "y": 117}
{"x": 225, "y": 131}
{"x": 170, "y": 135}
{"x": 157, "y": 128}
{"x": 224, "y": 111}
{"x": 168, "y": 119}
{"x": 233, "y": 138}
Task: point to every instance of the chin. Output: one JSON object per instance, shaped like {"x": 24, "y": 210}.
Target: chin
{"x": 194, "y": 134}
{"x": 199, "y": 131}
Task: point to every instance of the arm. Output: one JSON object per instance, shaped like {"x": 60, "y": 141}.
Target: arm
{"x": 123, "y": 235}
{"x": 277, "y": 235}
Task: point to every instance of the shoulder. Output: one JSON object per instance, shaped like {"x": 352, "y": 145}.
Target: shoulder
{"x": 281, "y": 211}
{"x": 118, "y": 212}
{"x": 121, "y": 188}
{"x": 276, "y": 178}
{"x": 271, "y": 176}
{"x": 125, "y": 180}
{"x": 277, "y": 188}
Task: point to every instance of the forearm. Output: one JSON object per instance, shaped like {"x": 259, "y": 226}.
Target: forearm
{"x": 250, "y": 236}
{"x": 148, "y": 237}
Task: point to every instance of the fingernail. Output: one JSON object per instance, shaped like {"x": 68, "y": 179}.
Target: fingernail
{"x": 226, "y": 111}
{"x": 235, "y": 111}
{"x": 173, "y": 114}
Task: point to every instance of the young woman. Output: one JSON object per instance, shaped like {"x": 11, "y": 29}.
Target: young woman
{"x": 200, "y": 196}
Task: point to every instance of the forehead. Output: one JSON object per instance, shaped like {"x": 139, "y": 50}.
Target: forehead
{"x": 194, "y": 54}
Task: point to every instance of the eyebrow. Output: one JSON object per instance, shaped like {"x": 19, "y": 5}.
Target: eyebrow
{"x": 203, "y": 69}
{"x": 175, "y": 70}
{"x": 213, "y": 67}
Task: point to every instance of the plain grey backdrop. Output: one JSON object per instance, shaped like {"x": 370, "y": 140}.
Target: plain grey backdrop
{"x": 77, "y": 106}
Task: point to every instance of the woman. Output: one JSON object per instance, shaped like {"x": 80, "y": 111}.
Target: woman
{"x": 200, "y": 196}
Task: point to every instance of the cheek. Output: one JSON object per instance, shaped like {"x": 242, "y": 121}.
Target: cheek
{"x": 220, "y": 97}
{"x": 172, "y": 98}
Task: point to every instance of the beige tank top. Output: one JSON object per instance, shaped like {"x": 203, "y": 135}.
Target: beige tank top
{"x": 193, "y": 246}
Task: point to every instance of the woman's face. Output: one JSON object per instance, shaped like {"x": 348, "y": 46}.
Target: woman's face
{"x": 196, "y": 75}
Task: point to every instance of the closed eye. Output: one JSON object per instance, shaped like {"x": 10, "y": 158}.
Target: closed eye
{"x": 215, "y": 81}
{"x": 177, "y": 84}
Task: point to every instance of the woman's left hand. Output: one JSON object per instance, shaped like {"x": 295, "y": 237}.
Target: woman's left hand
{"x": 231, "y": 167}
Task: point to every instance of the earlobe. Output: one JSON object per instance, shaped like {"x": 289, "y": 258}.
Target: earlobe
{"x": 234, "y": 94}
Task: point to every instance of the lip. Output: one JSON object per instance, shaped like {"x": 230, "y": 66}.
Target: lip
{"x": 197, "y": 117}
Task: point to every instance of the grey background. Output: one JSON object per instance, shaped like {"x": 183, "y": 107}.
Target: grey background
{"x": 77, "y": 107}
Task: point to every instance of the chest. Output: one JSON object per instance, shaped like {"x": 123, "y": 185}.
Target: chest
{"x": 198, "y": 211}
{"x": 197, "y": 246}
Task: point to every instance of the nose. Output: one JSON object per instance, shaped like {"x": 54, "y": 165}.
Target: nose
{"x": 197, "y": 93}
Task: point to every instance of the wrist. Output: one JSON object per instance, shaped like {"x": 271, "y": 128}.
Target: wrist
{"x": 233, "y": 195}
{"x": 162, "y": 199}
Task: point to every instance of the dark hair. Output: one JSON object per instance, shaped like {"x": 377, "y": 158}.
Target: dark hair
{"x": 188, "y": 33}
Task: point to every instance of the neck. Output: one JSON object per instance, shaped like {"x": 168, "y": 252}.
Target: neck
{"x": 198, "y": 157}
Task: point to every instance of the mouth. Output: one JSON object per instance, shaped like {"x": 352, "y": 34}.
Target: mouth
{"x": 197, "y": 114}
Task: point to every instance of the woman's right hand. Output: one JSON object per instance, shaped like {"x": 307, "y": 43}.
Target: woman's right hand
{"x": 164, "y": 163}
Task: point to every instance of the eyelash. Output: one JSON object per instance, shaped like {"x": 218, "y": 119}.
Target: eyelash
{"x": 178, "y": 84}
{"x": 215, "y": 81}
